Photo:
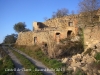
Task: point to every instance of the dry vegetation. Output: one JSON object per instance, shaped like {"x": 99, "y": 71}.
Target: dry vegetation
{"x": 36, "y": 53}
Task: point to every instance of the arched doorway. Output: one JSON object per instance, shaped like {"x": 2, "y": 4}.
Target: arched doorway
{"x": 69, "y": 33}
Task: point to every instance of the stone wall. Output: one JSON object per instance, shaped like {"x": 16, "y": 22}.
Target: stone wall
{"x": 58, "y": 28}
{"x": 91, "y": 36}
{"x": 61, "y": 22}
{"x": 38, "y": 37}
{"x": 25, "y": 38}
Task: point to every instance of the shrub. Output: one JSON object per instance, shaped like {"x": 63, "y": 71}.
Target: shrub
{"x": 88, "y": 51}
{"x": 6, "y": 63}
{"x": 97, "y": 56}
{"x": 79, "y": 72}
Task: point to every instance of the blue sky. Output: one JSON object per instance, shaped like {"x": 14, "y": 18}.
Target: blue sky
{"x": 28, "y": 11}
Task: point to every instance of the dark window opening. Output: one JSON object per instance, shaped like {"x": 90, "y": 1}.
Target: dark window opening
{"x": 69, "y": 33}
{"x": 57, "y": 33}
{"x": 35, "y": 40}
{"x": 70, "y": 24}
{"x": 57, "y": 37}
{"x": 45, "y": 44}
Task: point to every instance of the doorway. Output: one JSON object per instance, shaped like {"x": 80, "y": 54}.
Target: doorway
{"x": 69, "y": 33}
{"x": 35, "y": 40}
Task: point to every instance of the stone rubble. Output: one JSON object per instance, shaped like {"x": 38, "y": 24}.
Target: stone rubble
{"x": 83, "y": 62}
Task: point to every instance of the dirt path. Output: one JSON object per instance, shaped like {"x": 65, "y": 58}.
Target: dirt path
{"x": 39, "y": 65}
{"x": 18, "y": 65}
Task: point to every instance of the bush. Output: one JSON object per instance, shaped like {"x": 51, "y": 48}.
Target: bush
{"x": 97, "y": 65}
{"x": 79, "y": 72}
{"x": 88, "y": 51}
{"x": 6, "y": 63}
{"x": 97, "y": 56}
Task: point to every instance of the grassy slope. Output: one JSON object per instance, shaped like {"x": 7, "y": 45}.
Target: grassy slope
{"x": 6, "y": 63}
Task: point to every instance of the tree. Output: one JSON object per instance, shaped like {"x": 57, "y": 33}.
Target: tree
{"x": 45, "y": 18}
{"x": 9, "y": 39}
{"x": 60, "y": 13}
{"x": 88, "y": 10}
{"x": 26, "y": 29}
{"x": 20, "y": 27}
{"x": 72, "y": 12}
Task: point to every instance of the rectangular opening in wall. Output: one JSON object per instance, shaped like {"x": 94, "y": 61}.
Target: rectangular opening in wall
{"x": 35, "y": 40}
{"x": 69, "y": 33}
{"x": 70, "y": 24}
{"x": 57, "y": 37}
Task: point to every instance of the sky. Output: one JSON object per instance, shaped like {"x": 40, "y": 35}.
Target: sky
{"x": 28, "y": 11}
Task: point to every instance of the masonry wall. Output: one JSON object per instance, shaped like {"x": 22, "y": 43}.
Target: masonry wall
{"x": 25, "y": 38}
{"x": 61, "y": 22}
{"x": 57, "y": 25}
{"x": 91, "y": 36}
{"x": 46, "y": 36}
{"x": 38, "y": 37}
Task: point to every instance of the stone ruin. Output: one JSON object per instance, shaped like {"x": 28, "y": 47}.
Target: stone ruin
{"x": 58, "y": 28}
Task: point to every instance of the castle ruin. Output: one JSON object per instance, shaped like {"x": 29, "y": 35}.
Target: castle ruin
{"x": 54, "y": 29}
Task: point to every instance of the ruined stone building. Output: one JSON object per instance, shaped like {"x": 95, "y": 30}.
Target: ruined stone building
{"x": 52, "y": 30}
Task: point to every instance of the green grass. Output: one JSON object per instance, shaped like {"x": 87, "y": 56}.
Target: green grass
{"x": 36, "y": 53}
{"x": 27, "y": 64}
{"x": 6, "y": 63}
{"x": 80, "y": 73}
{"x": 97, "y": 56}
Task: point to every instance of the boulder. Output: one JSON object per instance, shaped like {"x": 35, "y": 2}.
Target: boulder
{"x": 64, "y": 60}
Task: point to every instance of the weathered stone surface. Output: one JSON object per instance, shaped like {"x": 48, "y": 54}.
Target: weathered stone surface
{"x": 64, "y": 60}
{"x": 25, "y": 38}
{"x": 76, "y": 38}
{"x": 91, "y": 36}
